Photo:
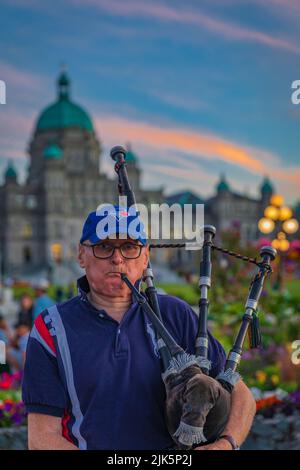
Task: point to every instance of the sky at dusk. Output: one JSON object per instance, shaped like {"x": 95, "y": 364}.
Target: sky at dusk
{"x": 198, "y": 88}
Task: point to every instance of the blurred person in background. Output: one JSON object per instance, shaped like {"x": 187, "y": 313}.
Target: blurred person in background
{"x": 16, "y": 352}
{"x": 25, "y": 314}
{"x": 43, "y": 300}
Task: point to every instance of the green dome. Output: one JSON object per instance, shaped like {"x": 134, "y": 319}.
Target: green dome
{"x": 63, "y": 113}
{"x": 266, "y": 186}
{"x": 53, "y": 151}
{"x": 222, "y": 185}
{"x": 184, "y": 197}
{"x": 10, "y": 172}
{"x": 130, "y": 156}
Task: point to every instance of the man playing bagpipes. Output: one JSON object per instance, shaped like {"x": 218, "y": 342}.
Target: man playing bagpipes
{"x": 113, "y": 328}
{"x": 92, "y": 376}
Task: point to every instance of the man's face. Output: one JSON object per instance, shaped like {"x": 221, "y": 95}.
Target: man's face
{"x": 103, "y": 274}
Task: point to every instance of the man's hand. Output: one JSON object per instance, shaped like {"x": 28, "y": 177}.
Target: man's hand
{"x": 221, "y": 444}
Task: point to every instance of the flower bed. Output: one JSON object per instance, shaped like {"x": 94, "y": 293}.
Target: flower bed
{"x": 13, "y": 429}
{"x": 10, "y": 381}
{"x": 12, "y": 413}
{"x": 12, "y": 410}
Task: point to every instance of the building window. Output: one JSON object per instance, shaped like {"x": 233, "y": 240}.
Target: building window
{"x": 26, "y": 231}
{"x": 19, "y": 199}
{"x": 27, "y": 255}
{"x": 31, "y": 202}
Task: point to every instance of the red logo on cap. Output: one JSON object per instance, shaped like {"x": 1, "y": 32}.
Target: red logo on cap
{"x": 124, "y": 214}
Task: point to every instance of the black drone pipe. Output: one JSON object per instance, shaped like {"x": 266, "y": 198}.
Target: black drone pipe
{"x": 229, "y": 377}
{"x": 201, "y": 345}
{"x": 268, "y": 254}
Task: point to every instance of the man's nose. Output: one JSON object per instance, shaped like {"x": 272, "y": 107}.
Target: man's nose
{"x": 117, "y": 258}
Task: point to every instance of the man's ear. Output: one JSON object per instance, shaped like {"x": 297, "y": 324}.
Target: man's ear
{"x": 80, "y": 256}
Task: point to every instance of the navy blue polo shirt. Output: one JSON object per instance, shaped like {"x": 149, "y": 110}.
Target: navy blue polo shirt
{"x": 104, "y": 378}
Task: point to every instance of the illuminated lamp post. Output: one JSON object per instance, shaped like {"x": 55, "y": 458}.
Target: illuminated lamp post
{"x": 278, "y": 221}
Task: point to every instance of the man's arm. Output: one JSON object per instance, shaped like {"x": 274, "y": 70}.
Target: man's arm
{"x": 243, "y": 409}
{"x": 43, "y": 391}
{"x": 44, "y": 433}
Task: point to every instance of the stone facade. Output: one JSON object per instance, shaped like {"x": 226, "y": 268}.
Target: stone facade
{"x": 228, "y": 209}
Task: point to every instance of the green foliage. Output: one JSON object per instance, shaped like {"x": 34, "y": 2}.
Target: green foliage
{"x": 19, "y": 291}
{"x": 293, "y": 287}
{"x": 14, "y": 395}
{"x": 188, "y": 292}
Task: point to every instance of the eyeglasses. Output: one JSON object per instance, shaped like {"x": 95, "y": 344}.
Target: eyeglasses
{"x": 106, "y": 250}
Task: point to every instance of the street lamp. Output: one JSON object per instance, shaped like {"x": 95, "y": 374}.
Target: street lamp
{"x": 56, "y": 250}
{"x": 278, "y": 221}
{"x": 290, "y": 226}
{"x": 266, "y": 225}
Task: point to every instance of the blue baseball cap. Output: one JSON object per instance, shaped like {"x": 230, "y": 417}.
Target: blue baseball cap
{"x": 109, "y": 220}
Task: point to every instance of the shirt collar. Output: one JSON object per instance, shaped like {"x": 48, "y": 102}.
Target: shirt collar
{"x": 83, "y": 287}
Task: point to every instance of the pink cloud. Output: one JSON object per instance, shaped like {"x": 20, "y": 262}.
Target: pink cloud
{"x": 166, "y": 13}
{"x": 204, "y": 145}
{"x": 196, "y": 146}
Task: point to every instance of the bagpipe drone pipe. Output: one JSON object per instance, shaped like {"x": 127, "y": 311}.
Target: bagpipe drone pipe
{"x": 197, "y": 406}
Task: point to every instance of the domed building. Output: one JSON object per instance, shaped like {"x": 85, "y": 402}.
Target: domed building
{"x": 42, "y": 219}
{"x": 229, "y": 209}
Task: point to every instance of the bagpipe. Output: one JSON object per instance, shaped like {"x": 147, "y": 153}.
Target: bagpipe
{"x": 197, "y": 406}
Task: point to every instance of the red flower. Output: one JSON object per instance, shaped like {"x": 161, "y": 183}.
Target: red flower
{"x": 266, "y": 402}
